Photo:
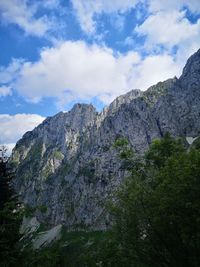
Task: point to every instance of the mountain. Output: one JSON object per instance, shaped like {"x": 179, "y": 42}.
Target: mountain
{"x": 67, "y": 167}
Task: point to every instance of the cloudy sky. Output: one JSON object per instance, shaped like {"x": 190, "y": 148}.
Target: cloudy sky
{"x": 55, "y": 53}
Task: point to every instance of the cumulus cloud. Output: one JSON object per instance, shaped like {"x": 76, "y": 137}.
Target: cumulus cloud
{"x": 12, "y": 127}
{"x": 171, "y": 30}
{"x": 166, "y": 24}
{"x": 86, "y": 10}
{"x": 21, "y": 13}
{"x": 176, "y": 29}
{"x": 75, "y": 71}
{"x": 153, "y": 69}
{"x": 5, "y": 90}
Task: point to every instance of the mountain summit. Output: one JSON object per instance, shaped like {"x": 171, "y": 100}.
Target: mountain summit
{"x": 66, "y": 168}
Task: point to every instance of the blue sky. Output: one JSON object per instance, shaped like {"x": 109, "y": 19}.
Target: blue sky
{"x": 55, "y": 53}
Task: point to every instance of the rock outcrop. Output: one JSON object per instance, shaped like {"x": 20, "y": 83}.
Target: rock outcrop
{"x": 67, "y": 167}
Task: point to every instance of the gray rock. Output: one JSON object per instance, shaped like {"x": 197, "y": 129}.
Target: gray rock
{"x": 29, "y": 226}
{"x": 67, "y": 167}
{"x": 43, "y": 239}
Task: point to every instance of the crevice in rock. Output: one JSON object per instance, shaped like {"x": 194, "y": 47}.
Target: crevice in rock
{"x": 159, "y": 127}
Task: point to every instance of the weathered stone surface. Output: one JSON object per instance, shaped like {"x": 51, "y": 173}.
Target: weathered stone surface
{"x": 29, "y": 226}
{"x": 43, "y": 239}
{"x": 67, "y": 167}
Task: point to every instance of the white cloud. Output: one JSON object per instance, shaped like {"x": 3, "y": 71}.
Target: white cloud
{"x": 5, "y": 90}
{"x": 169, "y": 29}
{"x": 86, "y": 10}
{"x": 159, "y": 5}
{"x": 193, "y": 5}
{"x": 169, "y": 5}
{"x": 153, "y": 69}
{"x": 75, "y": 71}
{"x": 21, "y": 13}
{"x": 129, "y": 41}
{"x": 12, "y": 127}
{"x": 12, "y": 71}
{"x": 50, "y": 4}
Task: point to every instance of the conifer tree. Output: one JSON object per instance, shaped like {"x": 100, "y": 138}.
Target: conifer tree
{"x": 10, "y": 215}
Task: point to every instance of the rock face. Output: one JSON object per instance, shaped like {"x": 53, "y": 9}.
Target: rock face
{"x": 67, "y": 167}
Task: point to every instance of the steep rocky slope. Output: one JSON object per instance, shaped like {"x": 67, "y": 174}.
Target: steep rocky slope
{"x": 67, "y": 166}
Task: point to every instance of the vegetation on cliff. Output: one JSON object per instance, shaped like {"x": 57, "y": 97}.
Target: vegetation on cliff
{"x": 155, "y": 216}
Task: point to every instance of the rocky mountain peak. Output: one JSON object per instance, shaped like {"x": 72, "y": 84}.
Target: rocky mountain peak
{"x": 82, "y": 115}
{"x": 83, "y": 108}
{"x": 122, "y": 99}
{"x": 191, "y": 72}
{"x": 126, "y": 98}
{"x": 68, "y": 164}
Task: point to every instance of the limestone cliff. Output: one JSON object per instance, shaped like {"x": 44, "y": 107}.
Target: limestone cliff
{"x": 67, "y": 167}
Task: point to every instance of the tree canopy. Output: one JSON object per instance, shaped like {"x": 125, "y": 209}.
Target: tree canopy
{"x": 157, "y": 212}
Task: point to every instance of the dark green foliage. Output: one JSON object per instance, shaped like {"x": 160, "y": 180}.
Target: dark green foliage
{"x": 157, "y": 214}
{"x": 161, "y": 150}
{"x": 10, "y": 217}
{"x": 196, "y": 143}
{"x": 125, "y": 152}
{"x": 5, "y": 190}
{"x": 75, "y": 249}
{"x": 156, "y": 217}
{"x": 46, "y": 257}
{"x": 42, "y": 208}
{"x": 29, "y": 211}
{"x": 121, "y": 142}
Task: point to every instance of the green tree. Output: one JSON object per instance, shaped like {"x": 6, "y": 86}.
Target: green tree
{"x": 157, "y": 212}
{"x": 10, "y": 215}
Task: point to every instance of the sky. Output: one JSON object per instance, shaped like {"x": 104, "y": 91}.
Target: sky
{"x": 55, "y": 53}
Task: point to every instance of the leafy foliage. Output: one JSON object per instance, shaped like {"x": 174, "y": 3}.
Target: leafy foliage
{"x": 157, "y": 214}
{"x": 75, "y": 249}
